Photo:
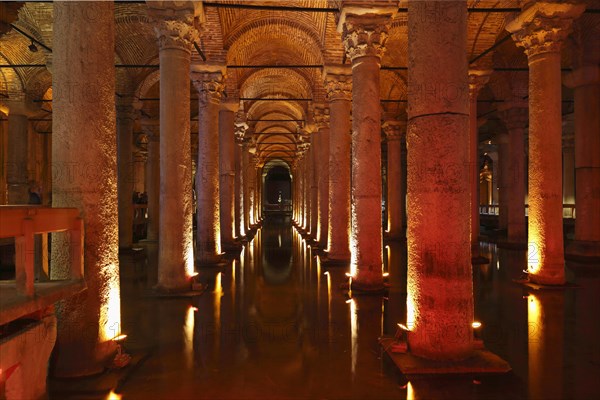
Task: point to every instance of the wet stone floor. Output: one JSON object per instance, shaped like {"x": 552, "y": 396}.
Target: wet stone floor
{"x": 274, "y": 324}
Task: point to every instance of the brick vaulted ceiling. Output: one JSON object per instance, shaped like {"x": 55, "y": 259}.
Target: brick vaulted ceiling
{"x": 274, "y": 36}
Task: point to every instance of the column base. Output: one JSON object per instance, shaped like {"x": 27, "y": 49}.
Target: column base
{"x": 481, "y": 362}
{"x": 583, "y": 251}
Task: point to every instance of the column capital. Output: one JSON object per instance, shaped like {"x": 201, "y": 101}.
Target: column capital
{"x": 338, "y": 82}
{"x": 209, "y": 80}
{"x": 543, "y": 26}
{"x": 478, "y": 78}
{"x": 394, "y": 129}
{"x": 321, "y": 116}
{"x": 174, "y": 30}
{"x": 583, "y": 76}
{"x": 365, "y": 28}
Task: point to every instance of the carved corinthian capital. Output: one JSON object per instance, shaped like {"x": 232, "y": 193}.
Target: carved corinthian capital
{"x": 394, "y": 130}
{"x": 338, "y": 82}
{"x": 321, "y": 117}
{"x": 175, "y": 23}
{"x": 210, "y": 84}
{"x": 365, "y": 36}
{"x": 543, "y": 26}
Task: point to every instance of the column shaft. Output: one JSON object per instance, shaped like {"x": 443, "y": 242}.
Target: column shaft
{"x": 17, "y": 158}
{"x": 153, "y": 185}
{"x": 439, "y": 283}
{"x": 323, "y": 187}
{"x": 125, "y": 176}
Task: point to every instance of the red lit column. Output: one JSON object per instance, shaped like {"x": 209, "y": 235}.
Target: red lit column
{"x": 314, "y": 184}
{"x": 586, "y": 83}
{"x": 394, "y": 130}
{"x": 240, "y": 130}
{"x": 338, "y": 83}
{"x": 364, "y": 32}
{"x": 227, "y": 171}
{"x": 540, "y": 29}
{"x": 515, "y": 119}
{"x": 439, "y": 282}
{"x": 503, "y": 179}
{"x": 84, "y": 148}
{"x": 208, "y": 80}
{"x": 245, "y": 184}
{"x": 176, "y": 35}
{"x": 17, "y": 155}
{"x": 322, "y": 123}
{"x": 477, "y": 80}
{"x": 125, "y": 120}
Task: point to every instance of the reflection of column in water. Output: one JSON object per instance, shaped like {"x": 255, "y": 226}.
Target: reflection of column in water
{"x": 188, "y": 330}
{"x": 545, "y": 312}
{"x": 353, "y": 335}
{"x": 217, "y": 293}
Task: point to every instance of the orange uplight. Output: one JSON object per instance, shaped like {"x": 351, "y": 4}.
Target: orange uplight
{"x": 476, "y": 325}
{"x": 403, "y": 327}
{"x": 120, "y": 338}
{"x": 386, "y": 274}
{"x": 114, "y": 396}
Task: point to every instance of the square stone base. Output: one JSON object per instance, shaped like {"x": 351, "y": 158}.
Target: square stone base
{"x": 482, "y": 362}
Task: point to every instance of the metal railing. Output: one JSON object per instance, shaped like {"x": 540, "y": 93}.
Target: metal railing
{"x": 494, "y": 209}
{"x": 23, "y": 295}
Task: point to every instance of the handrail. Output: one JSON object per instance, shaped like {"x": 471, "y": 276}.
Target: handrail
{"x": 22, "y": 223}
{"x": 569, "y": 210}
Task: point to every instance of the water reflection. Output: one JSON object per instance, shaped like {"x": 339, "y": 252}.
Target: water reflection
{"x": 274, "y": 323}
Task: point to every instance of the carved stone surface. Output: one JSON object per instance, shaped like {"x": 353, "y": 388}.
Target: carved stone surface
{"x": 365, "y": 35}
{"x": 210, "y": 86}
{"x": 338, "y": 83}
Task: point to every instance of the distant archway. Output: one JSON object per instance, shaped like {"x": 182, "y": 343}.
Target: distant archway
{"x": 277, "y": 188}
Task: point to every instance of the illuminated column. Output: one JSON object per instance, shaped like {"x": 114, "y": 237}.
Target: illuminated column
{"x": 540, "y": 29}
{"x": 586, "y": 84}
{"x": 176, "y": 35}
{"x": 125, "y": 120}
{"x": 307, "y": 186}
{"x": 227, "y": 171}
{"x": 245, "y": 184}
{"x": 253, "y": 186}
{"x": 208, "y": 80}
{"x": 240, "y": 130}
{"x": 394, "y": 130}
{"x": 140, "y": 158}
{"x": 84, "y": 152}
{"x": 315, "y": 140}
{"x": 515, "y": 119}
{"x": 439, "y": 281}
{"x": 152, "y": 129}
{"x": 17, "y": 154}
{"x": 568, "y": 155}
{"x": 477, "y": 80}
{"x": 338, "y": 83}
{"x": 364, "y": 32}
{"x": 321, "y": 118}
{"x": 503, "y": 179}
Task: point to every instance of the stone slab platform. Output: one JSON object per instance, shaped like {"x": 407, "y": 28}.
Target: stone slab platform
{"x": 483, "y": 362}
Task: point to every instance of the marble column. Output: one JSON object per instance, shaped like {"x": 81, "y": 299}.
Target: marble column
{"x": 176, "y": 35}
{"x": 515, "y": 119}
{"x": 246, "y": 184}
{"x": 307, "y": 185}
{"x": 439, "y": 282}
{"x": 477, "y": 80}
{"x": 84, "y": 153}
{"x": 17, "y": 155}
{"x": 315, "y": 139}
{"x": 586, "y": 83}
{"x": 322, "y": 123}
{"x": 568, "y": 162}
{"x": 152, "y": 130}
{"x": 140, "y": 158}
{"x": 364, "y": 32}
{"x": 394, "y": 130}
{"x": 252, "y": 185}
{"x": 540, "y": 29}
{"x": 208, "y": 80}
{"x": 338, "y": 84}
{"x": 125, "y": 120}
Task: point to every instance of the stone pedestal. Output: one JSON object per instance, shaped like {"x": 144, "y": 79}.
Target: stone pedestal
{"x": 17, "y": 179}
{"x": 394, "y": 130}
{"x": 338, "y": 83}
{"x": 208, "y": 80}
{"x": 586, "y": 83}
{"x": 439, "y": 282}
{"x": 176, "y": 35}
{"x": 364, "y": 32}
{"x": 540, "y": 29}
{"x": 84, "y": 152}
{"x": 125, "y": 120}
{"x": 515, "y": 119}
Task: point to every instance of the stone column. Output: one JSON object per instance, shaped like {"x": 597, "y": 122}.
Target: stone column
{"x": 251, "y": 174}
{"x": 246, "y": 184}
{"x": 568, "y": 161}
{"x": 140, "y": 158}
{"x": 176, "y": 35}
{"x": 322, "y": 123}
{"x": 17, "y": 154}
{"x": 240, "y": 130}
{"x": 84, "y": 153}
{"x": 208, "y": 80}
{"x": 227, "y": 172}
{"x": 540, "y": 29}
{"x": 503, "y": 179}
{"x": 394, "y": 130}
{"x": 125, "y": 120}
{"x": 307, "y": 187}
{"x": 586, "y": 84}
{"x": 338, "y": 83}
{"x": 314, "y": 184}
{"x": 477, "y": 80}
{"x": 152, "y": 129}
{"x": 439, "y": 282}
{"x": 515, "y": 119}
{"x": 364, "y": 32}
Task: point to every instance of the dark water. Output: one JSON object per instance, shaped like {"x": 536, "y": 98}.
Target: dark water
{"x": 275, "y": 324}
